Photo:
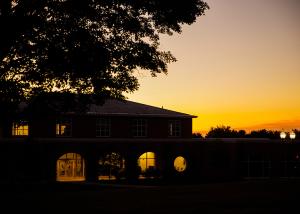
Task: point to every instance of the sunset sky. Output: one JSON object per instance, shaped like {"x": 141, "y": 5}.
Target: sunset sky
{"x": 239, "y": 65}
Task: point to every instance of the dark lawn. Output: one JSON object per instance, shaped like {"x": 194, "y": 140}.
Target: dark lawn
{"x": 269, "y": 196}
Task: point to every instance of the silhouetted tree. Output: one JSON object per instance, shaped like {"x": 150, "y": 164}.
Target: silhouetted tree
{"x": 241, "y": 133}
{"x": 227, "y": 132}
{"x": 224, "y": 132}
{"x": 264, "y": 134}
{"x": 197, "y": 135}
{"x": 85, "y": 46}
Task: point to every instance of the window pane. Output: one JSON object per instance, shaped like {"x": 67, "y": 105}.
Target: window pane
{"x": 63, "y": 127}
{"x": 111, "y": 167}
{"x": 146, "y": 160}
{"x": 174, "y": 128}
{"x": 103, "y": 127}
{"x": 20, "y": 128}
{"x": 180, "y": 164}
{"x": 139, "y": 128}
{"x": 70, "y": 167}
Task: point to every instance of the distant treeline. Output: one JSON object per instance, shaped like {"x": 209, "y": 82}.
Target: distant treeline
{"x": 228, "y": 132}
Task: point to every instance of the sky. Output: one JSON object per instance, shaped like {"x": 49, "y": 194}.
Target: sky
{"x": 238, "y": 66}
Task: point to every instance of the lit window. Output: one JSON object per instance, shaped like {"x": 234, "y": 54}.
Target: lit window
{"x": 147, "y": 165}
{"x": 103, "y": 127}
{"x": 174, "y": 128}
{"x": 139, "y": 128}
{"x": 111, "y": 167}
{"x": 64, "y": 127}
{"x": 70, "y": 167}
{"x": 146, "y": 161}
{"x": 20, "y": 128}
{"x": 180, "y": 164}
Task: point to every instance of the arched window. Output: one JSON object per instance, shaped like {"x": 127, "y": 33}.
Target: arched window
{"x": 147, "y": 165}
{"x": 180, "y": 164}
{"x": 111, "y": 167}
{"x": 70, "y": 167}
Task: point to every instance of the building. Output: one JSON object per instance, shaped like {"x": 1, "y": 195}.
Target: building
{"x": 124, "y": 140}
{"x": 97, "y": 144}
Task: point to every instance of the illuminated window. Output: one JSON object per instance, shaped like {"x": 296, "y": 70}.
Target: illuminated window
{"x": 147, "y": 165}
{"x": 111, "y": 167}
{"x": 70, "y": 167}
{"x": 180, "y": 164}
{"x": 20, "y": 128}
{"x": 174, "y": 128}
{"x": 103, "y": 127}
{"x": 64, "y": 127}
{"x": 139, "y": 128}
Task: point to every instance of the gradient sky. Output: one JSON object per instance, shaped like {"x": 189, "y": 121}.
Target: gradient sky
{"x": 239, "y": 65}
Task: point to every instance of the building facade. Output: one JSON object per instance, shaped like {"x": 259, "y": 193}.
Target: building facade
{"x": 128, "y": 141}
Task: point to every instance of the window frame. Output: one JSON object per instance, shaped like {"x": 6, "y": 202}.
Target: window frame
{"x": 139, "y": 127}
{"x": 174, "y": 128}
{"x": 104, "y": 126}
{"x": 58, "y": 127}
{"x": 16, "y": 128}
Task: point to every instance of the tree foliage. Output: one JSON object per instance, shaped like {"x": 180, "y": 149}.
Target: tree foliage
{"x": 263, "y": 133}
{"x": 228, "y": 132}
{"x": 85, "y": 46}
{"x": 224, "y": 132}
{"x": 197, "y": 135}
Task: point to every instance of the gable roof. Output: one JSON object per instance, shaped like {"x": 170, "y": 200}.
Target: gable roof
{"x": 129, "y": 108}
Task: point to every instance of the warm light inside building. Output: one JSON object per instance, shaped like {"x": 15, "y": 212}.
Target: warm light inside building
{"x": 20, "y": 128}
{"x": 111, "y": 167}
{"x": 146, "y": 161}
{"x": 180, "y": 164}
{"x": 70, "y": 167}
{"x": 60, "y": 129}
{"x": 64, "y": 127}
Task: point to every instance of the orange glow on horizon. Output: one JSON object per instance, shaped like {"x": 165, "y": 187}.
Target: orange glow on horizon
{"x": 235, "y": 67}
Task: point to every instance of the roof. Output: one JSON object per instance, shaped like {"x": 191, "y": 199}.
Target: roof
{"x": 129, "y": 108}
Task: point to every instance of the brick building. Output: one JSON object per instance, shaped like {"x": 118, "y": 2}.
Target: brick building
{"x": 124, "y": 140}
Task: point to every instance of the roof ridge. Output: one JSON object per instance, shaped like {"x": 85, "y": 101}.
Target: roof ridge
{"x": 128, "y": 107}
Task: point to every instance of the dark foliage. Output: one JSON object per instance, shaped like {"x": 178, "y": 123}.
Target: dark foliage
{"x": 227, "y": 132}
{"x": 85, "y": 46}
{"x": 264, "y": 134}
{"x": 197, "y": 135}
{"x": 224, "y": 132}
